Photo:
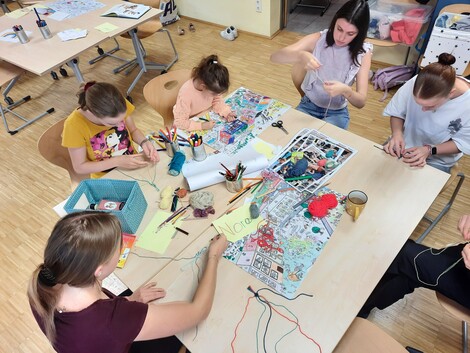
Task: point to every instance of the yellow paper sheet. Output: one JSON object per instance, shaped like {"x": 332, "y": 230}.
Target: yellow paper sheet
{"x": 106, "y": 27}
{"x": 237, "y": 224}
{"x": 17, "y": 13}
{"x": 157, "y": 240}
{"x": 264, "y": 148}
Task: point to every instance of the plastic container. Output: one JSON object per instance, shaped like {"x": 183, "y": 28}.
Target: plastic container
{"x": 447, "y": 38}
{"x": 397, "y": 22}
{"x": 92, "y": 191}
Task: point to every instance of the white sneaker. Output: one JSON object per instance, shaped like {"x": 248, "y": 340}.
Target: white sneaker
{"x": 234, "y": 30}
{"x": 228, "y": 34}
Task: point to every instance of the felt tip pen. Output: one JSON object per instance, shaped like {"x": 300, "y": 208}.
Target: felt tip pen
{"x": 181, "y": 230}
{"x": 204, "y": 119}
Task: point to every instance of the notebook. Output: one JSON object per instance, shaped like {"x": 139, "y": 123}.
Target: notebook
{"x": 128, "y": 10}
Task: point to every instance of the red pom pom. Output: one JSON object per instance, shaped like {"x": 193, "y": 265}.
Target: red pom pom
{"x": 330, "y": 200}
{"x": 318, "y": 208}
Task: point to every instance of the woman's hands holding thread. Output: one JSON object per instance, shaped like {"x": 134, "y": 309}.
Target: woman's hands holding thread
{"x": 131, "y": 161}
{"x": 147, "y": 293}
{"x": 416, "y": 156}
{"x": 217, "y": 246}
{"x": 464, "y": 226}
{"x": 396, "y": 145}
{"x": 336, "y": 88}
{"x": 309, "y": 62}
{"x": 150, "y": 152}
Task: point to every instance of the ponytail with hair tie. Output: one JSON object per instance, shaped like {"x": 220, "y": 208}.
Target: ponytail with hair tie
{"x": 88, "y": 85}
{"x": 46, "y": 277}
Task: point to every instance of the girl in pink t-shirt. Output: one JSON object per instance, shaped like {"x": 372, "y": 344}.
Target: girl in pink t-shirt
{"x": 209, "y": 80}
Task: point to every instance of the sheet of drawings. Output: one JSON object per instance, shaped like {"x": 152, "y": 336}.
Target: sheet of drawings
{"x": 75, "y": 7}
{"x": 313, "y": 158}
{"x": 288, "y": 242}
{"x": 254, "y": 114}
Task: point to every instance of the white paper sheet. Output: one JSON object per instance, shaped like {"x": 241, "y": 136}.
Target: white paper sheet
{"x": 206, "y": 173}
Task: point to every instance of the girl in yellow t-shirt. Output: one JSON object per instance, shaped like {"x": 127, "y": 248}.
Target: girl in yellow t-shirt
{"x": 100, "y": 132}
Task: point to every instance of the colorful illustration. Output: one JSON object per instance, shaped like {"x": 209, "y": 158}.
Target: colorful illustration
{"x": 254, "y": 114}
{"x": 288, "y": 239}
{"x": 112, "y": 142}
{"x": 310, "y": 159}
{"x": 75, "y": 7}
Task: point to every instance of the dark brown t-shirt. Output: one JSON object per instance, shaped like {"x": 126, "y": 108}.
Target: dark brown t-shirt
{"x": 107, "y": 325}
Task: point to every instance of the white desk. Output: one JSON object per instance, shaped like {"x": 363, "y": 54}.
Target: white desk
{"x": 341, "y": 279}
{"x": 139, "y": 270}
{"x": 41, "y": 55}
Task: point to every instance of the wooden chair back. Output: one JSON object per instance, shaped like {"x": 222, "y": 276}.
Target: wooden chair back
{"x": 455, "y": 309}
{"x": 8, "y": 72}
{"x": 298, "y": 75}
{"x": 50, "y": 147}
{"x": 161, "y": 92}
{"x": 365, "y": 337}
{"x": 149, "y": 27}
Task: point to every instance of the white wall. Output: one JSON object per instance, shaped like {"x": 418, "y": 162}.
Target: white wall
{"x": 239, "y": 13}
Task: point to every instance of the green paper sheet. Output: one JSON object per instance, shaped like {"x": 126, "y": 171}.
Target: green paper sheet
{"x": 157, "y": 240}
{"x": 106, "y": 27}
{"x": 237, "y": 224}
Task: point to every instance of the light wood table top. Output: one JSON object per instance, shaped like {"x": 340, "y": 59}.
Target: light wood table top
{"x": 343, "y": 276}
{"x": 40, "y": 55}
{"x": 139, "y": 270}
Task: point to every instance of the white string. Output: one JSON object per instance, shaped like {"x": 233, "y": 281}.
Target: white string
{"x": 329, "y": 103}
{"x": 435, "y": 254}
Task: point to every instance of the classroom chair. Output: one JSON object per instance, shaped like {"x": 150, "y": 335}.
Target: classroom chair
{"x": 298, "y": 75}
{"x": 9, "y": 75}
{"x": 455, "y": 173}
{"x": 161, "y": 92}
{"x": 365, "y": 337}
{"x": 459, "y": 312}
{"x": 143, "y": 31}
{"x": 50, "y": 147}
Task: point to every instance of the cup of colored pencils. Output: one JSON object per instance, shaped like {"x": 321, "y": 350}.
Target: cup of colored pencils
{"x": 234, "y": 178}
{"x": 197, "y": 147}
{"x": 170, "y": 139}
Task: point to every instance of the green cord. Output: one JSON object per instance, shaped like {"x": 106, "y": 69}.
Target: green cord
{"x": 151, "y": 183}
{"x": 257, "y": 327}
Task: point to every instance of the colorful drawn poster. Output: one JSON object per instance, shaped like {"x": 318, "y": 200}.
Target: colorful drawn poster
{"x": 288, "y": 240}
{"x": 310, "y": 159}
{"x": 254, "y": 112}
{"x": 75, "y": 7}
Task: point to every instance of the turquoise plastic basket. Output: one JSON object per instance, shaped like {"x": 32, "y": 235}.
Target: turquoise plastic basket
{"x": 96, "y": 190}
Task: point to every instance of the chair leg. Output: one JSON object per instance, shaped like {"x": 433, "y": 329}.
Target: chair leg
{"x": 464, "y": 336}
{"x": 13, "y": 104}
{"x": 145, "y": 66}
{"x": 446, "y": 208}
{"x": 103, "y": 54}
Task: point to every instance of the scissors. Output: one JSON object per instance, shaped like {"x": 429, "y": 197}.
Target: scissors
{"x": 280, "y": 125}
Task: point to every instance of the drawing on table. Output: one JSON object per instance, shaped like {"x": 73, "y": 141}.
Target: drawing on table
{"x": 310, "y": 159}
{"x": 288, "y": 242}
{"x": 75, "y": 7}
{"x": 254, "y": 114}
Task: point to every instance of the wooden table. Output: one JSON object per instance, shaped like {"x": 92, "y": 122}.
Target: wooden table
{"x": 40, "y": 55}
{"x": 341, "y": 279}
{"x": 139, "y": 270}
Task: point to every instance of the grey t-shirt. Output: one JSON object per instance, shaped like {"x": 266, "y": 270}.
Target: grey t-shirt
{"x": 451, "y": 121}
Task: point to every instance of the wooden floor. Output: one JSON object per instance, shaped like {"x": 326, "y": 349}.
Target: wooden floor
{"x": 31, "y": 186}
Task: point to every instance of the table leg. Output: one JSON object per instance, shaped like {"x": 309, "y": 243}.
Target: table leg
{"x": 78, "y": 74}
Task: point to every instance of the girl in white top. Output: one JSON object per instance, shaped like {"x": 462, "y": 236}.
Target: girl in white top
{"x": 328, "y": 62}
{"x": 430, "y": 117}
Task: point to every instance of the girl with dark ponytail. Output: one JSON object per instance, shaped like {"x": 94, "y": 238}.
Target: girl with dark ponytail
{"x": 209, "y": 80}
